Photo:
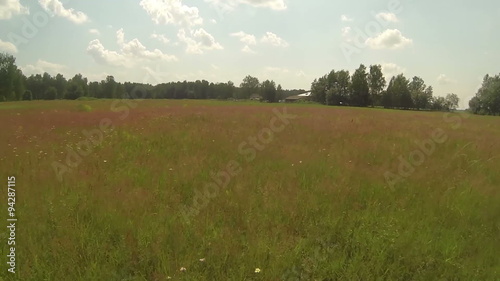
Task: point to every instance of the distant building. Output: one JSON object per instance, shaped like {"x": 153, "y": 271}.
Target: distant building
{"x": 256, "y": 97}
{"x": 302, "y": 97}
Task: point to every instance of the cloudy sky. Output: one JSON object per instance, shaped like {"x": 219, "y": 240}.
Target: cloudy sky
{"x": 450, "y": 44}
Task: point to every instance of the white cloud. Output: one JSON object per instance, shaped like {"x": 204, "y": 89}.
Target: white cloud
{"x": 389, "y": 39}
{"x": 42, "y": 66}
{"x": 248, "y": 50}
{"x": 134, "y": 48}
{"x": 131, "y": 52}
{"x": 346, "y": 31}
{"x": 198, "y": 41}
{"x": 388, "y": 17}
{"x": 345, "y": 18}
{"x": 94, "y": 31}
{"x": 213, "y": 21}
{"x": 10, "y": 8}
{"x": 91, "y": 76}
{"x": 271, "y": 69}
{"x": 172, "y": 12}
{"x": 7, "y": 47}
{"x": 274, "y": 40}
{"x": 160, "y": 37}
{"x": 391, "y": 69}
{"x": 444, "y": 80}
{"x": 271, "y": 4}
{"x": 248, "y": 39}
{"x": 103, "y": 56}
{"x": 300, "y": 73}
{"x": 231, "y": 4}
{"x": 56, "y": 7}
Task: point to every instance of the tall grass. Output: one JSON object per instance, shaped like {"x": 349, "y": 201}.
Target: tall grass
{"x": 313, "y": 205}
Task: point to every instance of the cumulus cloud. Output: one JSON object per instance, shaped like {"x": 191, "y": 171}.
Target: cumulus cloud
{"x": 345, "y": 18}
{"x": 198, "y": 41}
{"x": 130, "y": 53}
{"x": 346, "y": 31}
{"x": 274, "y": 40}
{"x": 94, "y": 31}
{"x": 103, "y": 56}
{"x": 442, "y": 79}
{"x": 135, "y": 49}
{"x": 42, "y": 66}
{"x": 389, "y": 39}
{"x": 172, "y": 12}
{"x": 57, "y": 8}
{"x": 392, "y": 69}
{"x": 248, "y": 50}
{"x": 388, "y": 17}
{"x": 248, "y": 39}
{"x": 231, "y": 4}
{"x": 7, "y": 47}
{"x": 271, "y": 4}
{"x": 10, "y": 8}
{"x": 160, "y": 37}
{"x": 300, "y": 73}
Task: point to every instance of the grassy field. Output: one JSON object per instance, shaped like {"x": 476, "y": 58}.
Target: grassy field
{"x": 107, "y": 190}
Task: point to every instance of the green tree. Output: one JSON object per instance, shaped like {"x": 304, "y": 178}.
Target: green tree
{"x": 360, "y": 95}
{"x": 74, "y": 91}
{"x": 344, "y": 85}
{"x": 417, "y": 89}
{"x": 475, "y": 105}
{"x": 81, "y": 83}
{"x": 95, "y": 90}
{"x": 50, "y": 93}
{"x": 388, "y": 96}
{"x": 398, "y": 94}
{"x": 109, "y": 87}
{"x": 60, "y": 84}
{"x": 438, "y": 103}
{"x": 424, "y": 101}
{"x": 268, "y": 90}
{"x": 11, "y": 78}
{"x": 249, "y": 86}
{"x": 34, "y": 84}
{"x": 487, "y": 99}
{"x": 318, "y": 89}
{"x": 27, "y": 95}
{"x": 452, "y": 101}
{"x": 280, "y": 94}
{"x": 376, "y": 83}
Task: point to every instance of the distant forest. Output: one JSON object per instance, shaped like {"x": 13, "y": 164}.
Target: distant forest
{"x": 366, "y": 87}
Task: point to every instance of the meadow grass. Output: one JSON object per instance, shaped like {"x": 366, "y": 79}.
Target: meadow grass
{"x": 313, "y": 205}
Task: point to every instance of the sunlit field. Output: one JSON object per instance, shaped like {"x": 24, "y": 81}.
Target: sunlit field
{"x": 215, "y": 190}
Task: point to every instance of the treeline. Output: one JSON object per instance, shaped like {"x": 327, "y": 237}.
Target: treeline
{"x": 367, "y": 87}
{"x": 14, "y": 85}
{"x": 487, "y": 99}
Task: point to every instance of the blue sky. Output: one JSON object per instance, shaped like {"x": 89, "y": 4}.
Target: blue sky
{"x": 450, "y": 44}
